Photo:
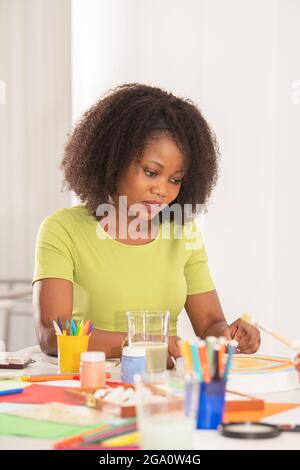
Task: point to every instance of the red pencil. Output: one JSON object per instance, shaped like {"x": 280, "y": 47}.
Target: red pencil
{"x": 86, "y": 328}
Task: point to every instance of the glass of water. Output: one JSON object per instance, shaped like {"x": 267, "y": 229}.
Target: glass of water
{"x": 164, "y": 421}
{"x": 149, "y": 329}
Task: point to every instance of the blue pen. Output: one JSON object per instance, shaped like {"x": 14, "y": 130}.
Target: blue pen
{"x": 11, "y": 391}
{"x": 231, "y": 347}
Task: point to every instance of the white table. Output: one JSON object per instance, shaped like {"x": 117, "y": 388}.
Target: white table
{"x": 203, "y": 440}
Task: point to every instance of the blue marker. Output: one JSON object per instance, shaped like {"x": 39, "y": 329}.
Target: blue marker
{"x": 231, "y": 347}
{"x": 11, "y": 391}
{"x": 196, "y": 361}
{"x": 72, "y": 329}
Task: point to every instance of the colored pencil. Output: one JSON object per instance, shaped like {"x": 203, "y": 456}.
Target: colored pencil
{"x": 210, "y": 341}
{"x": 231, "y": 347}
{"x": 222, "y": 342}
{"x": 86, "y": 328}
{"x": 186, "y": 352}
{"x": 196, "y": 361}
{"x": 204, "y": 361}
{"x": 49, "y": 377}
{"x": 56, "y": 328}
{"x": 116, "y": 432}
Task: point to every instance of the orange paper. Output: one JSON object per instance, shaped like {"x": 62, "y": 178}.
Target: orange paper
{"x": 256, "y": 415}
{"x": 37, "y": 393}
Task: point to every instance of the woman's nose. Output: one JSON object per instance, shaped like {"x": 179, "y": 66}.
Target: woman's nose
{"x": 160, "y": 189}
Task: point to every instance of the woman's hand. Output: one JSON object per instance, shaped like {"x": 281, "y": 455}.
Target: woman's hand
{"x": 173, "y": 351}
{"x": 248, "y": 336}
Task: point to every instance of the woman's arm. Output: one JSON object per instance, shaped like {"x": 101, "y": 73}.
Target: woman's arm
{"x": 207, "y": 318}
{"x": 53, "y": 298}
{"x": 206, "y": 315}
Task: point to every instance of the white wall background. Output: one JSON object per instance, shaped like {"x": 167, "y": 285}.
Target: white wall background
{"x": 34, "y": 121}
{"x": 237, "y": 59}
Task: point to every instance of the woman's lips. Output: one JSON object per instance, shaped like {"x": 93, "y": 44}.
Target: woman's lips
{"x": 152, "y": 207}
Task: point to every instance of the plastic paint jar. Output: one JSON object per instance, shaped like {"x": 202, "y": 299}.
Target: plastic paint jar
{"x": 92, "y": 369}
{"x": 133, "y": 362}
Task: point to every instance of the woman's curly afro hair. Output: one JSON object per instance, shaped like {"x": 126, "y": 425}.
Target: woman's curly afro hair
{"x": 116, "y": 130}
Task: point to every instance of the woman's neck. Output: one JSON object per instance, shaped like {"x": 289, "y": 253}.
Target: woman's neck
{"x": 130, "y": 232}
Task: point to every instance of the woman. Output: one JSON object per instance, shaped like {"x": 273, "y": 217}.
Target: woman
{"x": 134, "y": 157}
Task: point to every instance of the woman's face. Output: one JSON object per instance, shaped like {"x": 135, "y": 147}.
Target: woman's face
{"x": 154, "y": 179}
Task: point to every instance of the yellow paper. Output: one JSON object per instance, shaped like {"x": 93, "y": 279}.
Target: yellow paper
{"x": 127, "y": 439}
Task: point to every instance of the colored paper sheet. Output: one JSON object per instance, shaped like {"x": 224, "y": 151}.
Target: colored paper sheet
{"x": 16, "y": 426}
{"x": 37, "y": 393}
{"x": 10, "y": 384}
{"x": 270, "y": 409}
{"x": 60, "y": 413}
{"x": 124, "y": 435}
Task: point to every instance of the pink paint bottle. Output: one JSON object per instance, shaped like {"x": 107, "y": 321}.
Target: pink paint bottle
{"x": 92, "y": 369}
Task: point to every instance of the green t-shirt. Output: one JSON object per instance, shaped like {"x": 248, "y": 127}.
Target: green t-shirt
{"x": 110, "y": 277}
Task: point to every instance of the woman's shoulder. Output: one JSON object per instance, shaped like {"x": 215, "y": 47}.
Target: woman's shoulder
{"x": 68, "y": 218}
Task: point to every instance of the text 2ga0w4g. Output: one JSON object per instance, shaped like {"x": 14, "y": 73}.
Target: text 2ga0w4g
{"x": 151, "y": 459}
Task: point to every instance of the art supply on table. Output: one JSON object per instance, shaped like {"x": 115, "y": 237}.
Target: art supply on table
{"x": 244, "y": 403}
{"x": 207, "y": 359}
{"x": 231, "y": 348}
{"x": 71, "y": 342}
{"x": 49, "y": 377}
{"x": 186, "y": 352}
{"x": 58, "y": 331}
{"x": 73, "y": 327}
{"x": 211, "y": 404}
{"x": 203, "y": 356}
{"x": 252, "y": 321}
{"x": 11, "y": 425}
{"x": 12, "y": 391}
{"x": 117, "y": 399}
{"x": 196, "y": 361}
{"x": 38, "y": 393}
{"x": 256, "y": 374}
{"x": 269, "y": 410}
{"x": 116, "y": 436}
{"x": 222, "y": 341}
{"x": 92, "y": 369}
{"x": 52, "y": 377}
{"x": 211, "y": 366}
{"x": 12, "y": 360}
{"x": 164, "y": 421}
{"x": 149, "y": 329}
{"x": 255, "y": 430}
{"x": 59, "y": 413}
{"x": 133, "y": 362}
{"x": 210, "y": 344}
{"x": 69, "y": 351}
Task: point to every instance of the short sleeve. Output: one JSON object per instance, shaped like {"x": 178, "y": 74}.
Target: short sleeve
{"x": 54, "y": 253}
{"x": 196, "y": 270}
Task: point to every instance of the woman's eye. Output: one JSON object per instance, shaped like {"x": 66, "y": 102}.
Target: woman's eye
{"x": 176, "y": 181}
{"x": 150, "y": 173}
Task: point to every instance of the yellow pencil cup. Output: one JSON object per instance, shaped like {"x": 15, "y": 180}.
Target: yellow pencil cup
{"x": 69, "y": 350}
